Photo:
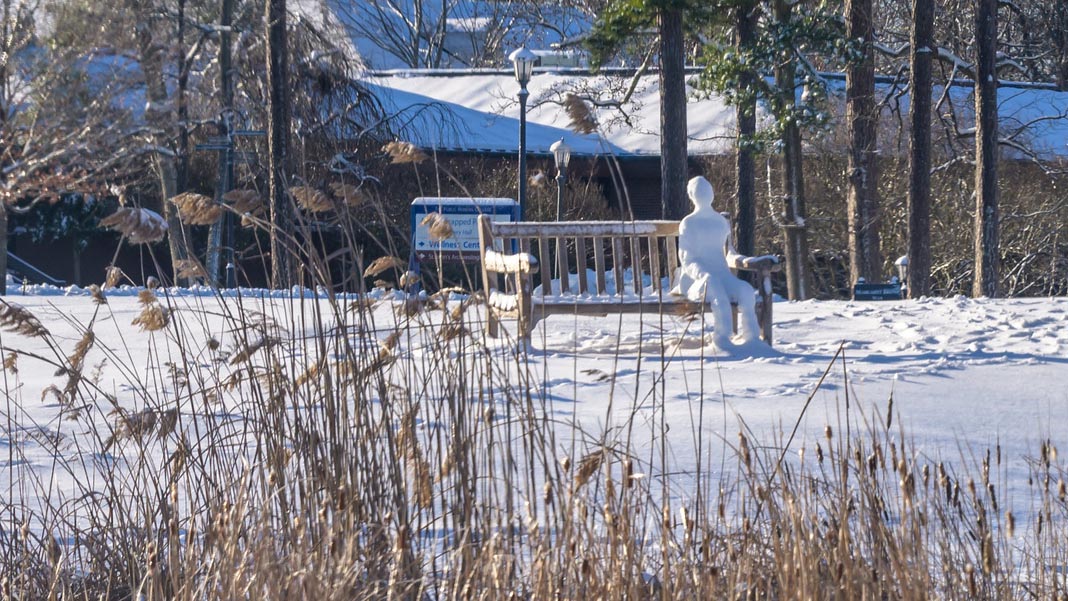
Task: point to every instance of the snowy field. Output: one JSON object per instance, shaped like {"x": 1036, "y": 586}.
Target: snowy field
{"x": 965, "y": 375}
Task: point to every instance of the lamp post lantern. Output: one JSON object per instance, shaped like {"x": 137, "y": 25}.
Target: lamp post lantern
{"x": 562, "y": 156}
{"x": 524, "y": 67}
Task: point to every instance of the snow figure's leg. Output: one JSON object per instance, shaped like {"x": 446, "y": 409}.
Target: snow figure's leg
{"x": 743, "y": 296}
{"x": 721, "y": 315}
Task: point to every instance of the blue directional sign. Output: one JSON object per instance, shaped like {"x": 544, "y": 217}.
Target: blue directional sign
{"x": 462, "y": 214}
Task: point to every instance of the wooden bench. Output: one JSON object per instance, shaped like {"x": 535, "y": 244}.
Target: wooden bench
{"x": 619, "y": 267}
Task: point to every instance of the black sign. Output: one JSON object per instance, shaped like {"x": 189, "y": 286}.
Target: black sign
{"x": 876, "y": 292}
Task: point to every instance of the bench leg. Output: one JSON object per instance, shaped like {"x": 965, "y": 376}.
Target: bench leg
{"x": 764, "y": 316}
{"x": 493, "y": 323}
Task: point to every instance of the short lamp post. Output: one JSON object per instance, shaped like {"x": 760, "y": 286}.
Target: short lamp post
{"x": 524, "y": 67}
{"x": 562, "y": 156}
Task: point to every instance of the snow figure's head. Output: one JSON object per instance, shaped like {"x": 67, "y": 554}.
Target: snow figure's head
{"x": 701, "y": 193}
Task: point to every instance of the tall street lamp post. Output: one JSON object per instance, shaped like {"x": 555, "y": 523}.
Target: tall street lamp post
{"x": 562, "y": 156}
{"x": 524, "y": 67}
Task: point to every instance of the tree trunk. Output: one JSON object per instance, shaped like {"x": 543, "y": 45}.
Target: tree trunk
{"x": 793, "y": 214}
{"x": 744, "y": 163}
{"x": 986, "y": 148}
{"x": 673, "y": 167}
{"x": 158, "y": 114}
{"x": 218, "y": 242}
{"x": 865, "y": 260}
{"x": 919, "y": 201}
{"x": 278, "y": 134}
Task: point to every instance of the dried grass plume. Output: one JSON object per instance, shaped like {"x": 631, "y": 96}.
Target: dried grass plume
{"x": 197, "y": 209}
{"x": 140, "y": 226}
{"x": 18, "y": 319}
{"x": 582, "y": 118}
{"x": 404, "y": 152}
{"x": 382, "y": 264}
{"x": 347, "y": 193}
{"x": 310, "y": 199}
{"x": 438, "y": 227}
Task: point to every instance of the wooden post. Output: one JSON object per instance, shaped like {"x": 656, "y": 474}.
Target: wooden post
{"x": 485, "y": 242}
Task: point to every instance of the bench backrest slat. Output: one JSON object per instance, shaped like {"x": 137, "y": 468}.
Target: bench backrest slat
{"x": 672, "y": 252}
{"x": 654, "y": 261}
{"x": 598, "y": 264}
{"x": 636, "y": 264}
{"x": 617, "y": 265}
{"x": 561, "y": 261}
{"x": 546, "y": 268}
{"x": 580, "y": 264}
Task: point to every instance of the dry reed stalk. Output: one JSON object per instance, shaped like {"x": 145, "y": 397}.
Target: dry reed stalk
{"x": 472, "y": 299}
{"x": 142, "y": 425}
{"x": 246, "y": 352}
{"x": 146, "y": 297}
{"x": 408, "y": 279}
{"x": 384, "y": 284}
{"x": 190, "y": 269}
{"x": 587, "y": 467}
{"x": 580, "y": 115}
{"x": 404, "y": 152}
{"x": 382, "y": 264}
{"x": 409, "y": 308}
{"x": 18, "y": 319}
{"x": 437, "y": 226}
{"x": 97, "y": 295}
{"x": 153, "y": 317}
{"x": 197, "y": 209}
{"x": 140, "y": 226}
{"x": 246, "y": 203}
{"x": 75, "y": 362}
{"x": 348, "y": 194}
{"x": 311, "y": 199}
{"x": 112, "y": 276}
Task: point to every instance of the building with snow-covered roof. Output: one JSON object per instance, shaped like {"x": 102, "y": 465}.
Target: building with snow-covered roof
{"x": 477, "y": 112}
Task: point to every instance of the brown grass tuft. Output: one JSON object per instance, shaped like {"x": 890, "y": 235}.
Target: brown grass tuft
{"x": 311, "y": 200}
{"x": 382, "y": 264}
{"x": 97, "y": 294}
{"x": 582, "y": 118}
{"x": 246, "y": 203}
{"x": 245, "y": 352}
{"x": 197, "y": 209}
{"x": 140, "y": 226}
{"x": 18, "y": 319}
{"x": 146, "y": 297}
{"x": 404, "y": 152}
{"x": 348, "y": 194}
{"x": 409, "y": 278}
{"x": 438, "y": 227}
{"x": 153, "y": 318}
{"x": 190, "y": 268}
{"x": 112, "y": 276}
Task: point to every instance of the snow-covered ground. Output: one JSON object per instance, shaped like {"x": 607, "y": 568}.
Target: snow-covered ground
{"x": 964, "y": 374}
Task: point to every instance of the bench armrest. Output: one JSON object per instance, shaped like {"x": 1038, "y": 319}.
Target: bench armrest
{"x": 498, "y": 262}
{"x": 765, "y": 263}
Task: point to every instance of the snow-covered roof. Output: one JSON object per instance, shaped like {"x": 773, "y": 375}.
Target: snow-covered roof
{"x": 478, "y": 111}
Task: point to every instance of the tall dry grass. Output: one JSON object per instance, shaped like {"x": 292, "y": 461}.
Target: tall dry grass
{"x": 332, "y": 449}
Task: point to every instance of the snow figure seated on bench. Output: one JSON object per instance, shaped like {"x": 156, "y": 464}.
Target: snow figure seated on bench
{"x": 704, "y": 241}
